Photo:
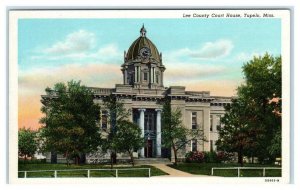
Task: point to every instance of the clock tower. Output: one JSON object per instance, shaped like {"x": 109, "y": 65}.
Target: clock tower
{"x": 143, "y": 66}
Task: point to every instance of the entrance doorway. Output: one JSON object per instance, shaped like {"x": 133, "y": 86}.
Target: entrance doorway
{"x": 148, "y": 149}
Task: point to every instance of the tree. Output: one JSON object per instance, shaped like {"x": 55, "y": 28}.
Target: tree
{"x": 128, "y": 138}
{"x": 70, "y": 121}
{"x": 254, "y": 118}
{"x": 237, "y": 135}
{"x": 175, "y": 134}
{"x": 263, "y": 89}
{"x": 117, "y": 115}
{"x": 27, "y": 144}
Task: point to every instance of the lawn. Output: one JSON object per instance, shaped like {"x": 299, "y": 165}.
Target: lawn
{"x": 83, "y": 173}
{"x": 205, "y": 169}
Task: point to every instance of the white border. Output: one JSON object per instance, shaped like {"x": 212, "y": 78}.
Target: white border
{"x": 13, "y": 89}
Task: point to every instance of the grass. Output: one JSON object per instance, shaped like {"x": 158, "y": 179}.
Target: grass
{"x": 83, "y": 173}
{"x": 205, "y": 169}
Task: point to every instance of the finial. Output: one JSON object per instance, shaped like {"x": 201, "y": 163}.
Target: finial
{"x": 143, "y": 31}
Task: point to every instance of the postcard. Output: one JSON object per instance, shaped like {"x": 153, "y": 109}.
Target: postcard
{"x": 191, "y": 96}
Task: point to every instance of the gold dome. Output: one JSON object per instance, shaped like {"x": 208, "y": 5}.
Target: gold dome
{"x": 142, "y": 42}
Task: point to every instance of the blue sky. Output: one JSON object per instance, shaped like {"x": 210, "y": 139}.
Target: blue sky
{"x": 201, "y": 54}
{"x": 247, "y": 35}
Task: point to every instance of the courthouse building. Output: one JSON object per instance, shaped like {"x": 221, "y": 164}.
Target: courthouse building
{"x": 144, "y": 93}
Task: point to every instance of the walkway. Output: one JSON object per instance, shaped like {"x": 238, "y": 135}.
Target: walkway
{"x": 171, "y": 171}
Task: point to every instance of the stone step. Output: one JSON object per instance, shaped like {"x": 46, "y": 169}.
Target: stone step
{"x": 152, "y": 161}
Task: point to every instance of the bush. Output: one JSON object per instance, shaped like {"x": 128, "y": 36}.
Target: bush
{"x": 218, "y": 157}
{"x": 188, "y": 157}
{"x": 208, "y": 157}
{"x": 33, "y": 161}
{"x": 194, "y": 157}
{"x": 223, "y": 156}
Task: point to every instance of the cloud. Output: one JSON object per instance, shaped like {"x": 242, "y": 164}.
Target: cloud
{"x": 216, "y": 49}
{"x": 108, "y": 53}
{"x": 209, "y": 50}
{"x": 76, "y": 42}
{"x": 188, "y": 71}
{"x": 244, "y": 57}
{"x": 109, "y": 50}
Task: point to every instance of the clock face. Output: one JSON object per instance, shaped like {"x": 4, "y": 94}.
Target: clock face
{"x": 145, "y": 52}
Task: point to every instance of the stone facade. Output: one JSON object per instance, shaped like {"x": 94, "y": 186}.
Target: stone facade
{"x": 143, "y": 92}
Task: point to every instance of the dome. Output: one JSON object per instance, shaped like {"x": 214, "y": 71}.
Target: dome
{"x": 143, "y": 47}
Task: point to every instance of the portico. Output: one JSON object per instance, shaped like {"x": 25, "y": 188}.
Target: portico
{"x": 149, "y": 121}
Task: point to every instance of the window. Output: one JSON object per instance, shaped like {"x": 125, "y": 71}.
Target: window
{"x": 157, "y": 79}
{"x": 194, "y": 145}
{"x": 194, "y": 120}
{"x": 211, "y": 123}
{"x": 104, "y": 120}
{"x": 145, "y": 76}
{"x": 211, "y": 145}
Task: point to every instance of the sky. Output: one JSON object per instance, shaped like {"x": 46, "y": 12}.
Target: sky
{"x": 201, "y": 54}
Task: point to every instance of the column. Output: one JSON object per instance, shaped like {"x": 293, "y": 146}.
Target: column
{"x": 153, "y": 81}
{"x": 206, "y": 129}
{"x": 142, "y": 128}
{"x": 125, "y": 76}
{"x": 151, "y": 75}
{"x": 139, "y": 73}
{"x": 123, "y": 72}
{"x": 158, "y": 132}
{"x": 135, "y": 74}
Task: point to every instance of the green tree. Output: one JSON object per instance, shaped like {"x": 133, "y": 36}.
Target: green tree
{"x": 70, "y": 121}
{"x": 175, "y": 135}
{"x": 263, "y": 88}
{"x": 253, "y": 120}
{"x": 237, "y": 135}
{"x": 27, "y": 144}
{"x": 117, "y": 115}
{"x": 128, "y": 138}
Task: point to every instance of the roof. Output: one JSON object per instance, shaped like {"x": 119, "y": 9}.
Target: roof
{"x": 134, "y": 50}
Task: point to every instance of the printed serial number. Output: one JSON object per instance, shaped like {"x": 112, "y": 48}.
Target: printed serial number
{"x": 271, "y": 180}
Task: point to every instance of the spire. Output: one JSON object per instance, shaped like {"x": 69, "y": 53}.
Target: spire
{"x": 143, "y": 31}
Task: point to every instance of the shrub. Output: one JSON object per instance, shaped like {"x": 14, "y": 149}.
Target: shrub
{"x": 194, "y": 157}
{"x": 211, "y": 157}
{"x": 221, "y": 156}
{"x": 34, "y": 161}
{"x": 188, "y": 157}
{"x": 208, "y": 157}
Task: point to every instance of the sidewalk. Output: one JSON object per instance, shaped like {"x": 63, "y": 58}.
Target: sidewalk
{"x": 175, "y": 173}
{"x": 171, "y": 171}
